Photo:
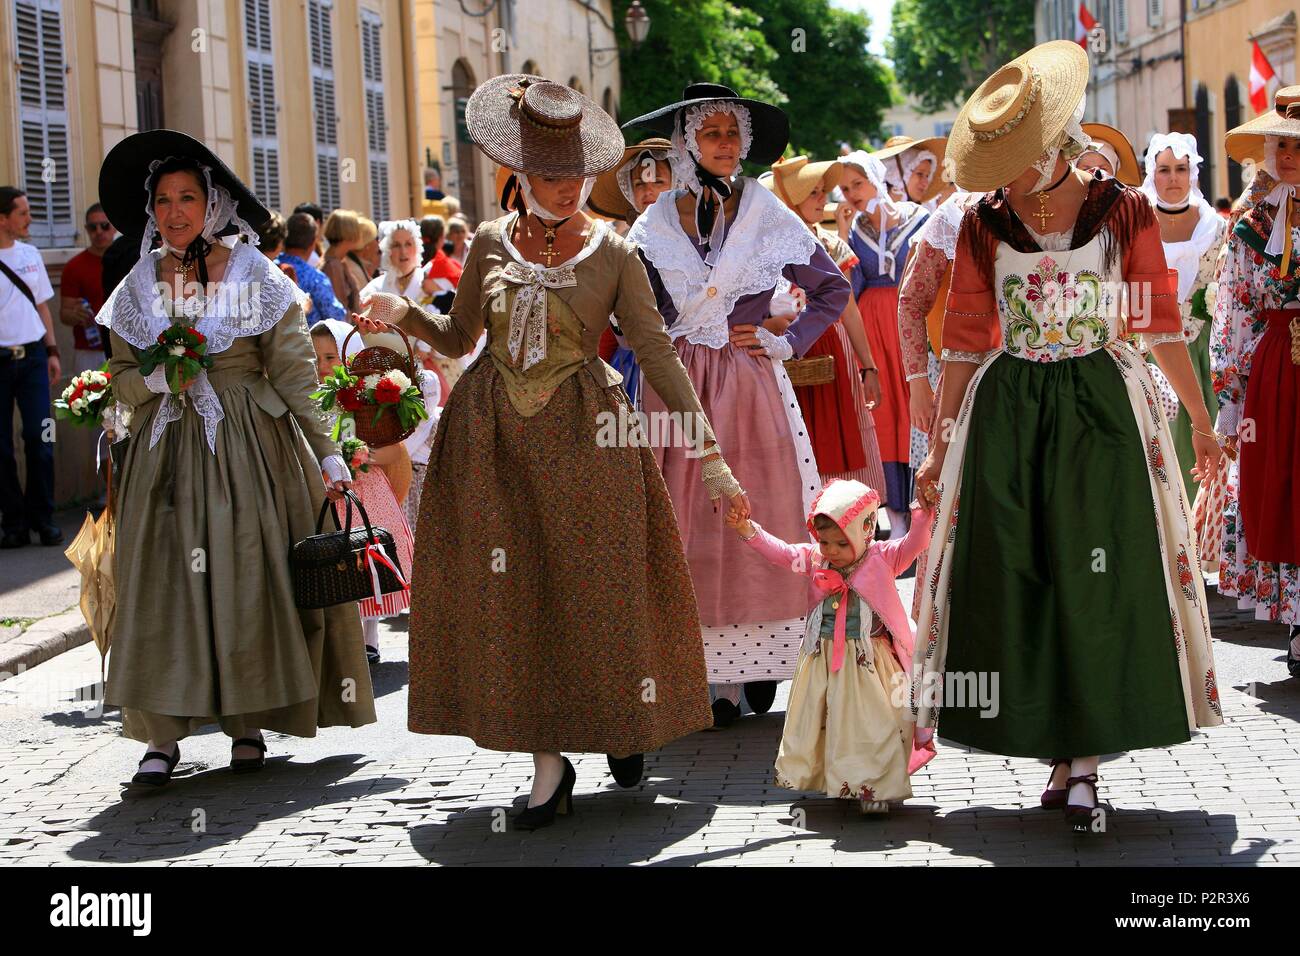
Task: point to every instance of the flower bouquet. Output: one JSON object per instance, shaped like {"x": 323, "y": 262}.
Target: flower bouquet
{"x": 357, "y": 454}
{"x": 183, "y": 350}
{"x": 85, "y": 399}
{"x": 366, "y": 400}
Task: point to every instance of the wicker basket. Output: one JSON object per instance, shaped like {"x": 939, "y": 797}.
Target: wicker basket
{"x": 388, "y": 429}
{"x": 817, "y": 370}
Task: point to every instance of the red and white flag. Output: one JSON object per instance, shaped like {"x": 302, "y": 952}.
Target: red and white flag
{"x": 1261, "y": 74}
{"x": 1083, "y": 25}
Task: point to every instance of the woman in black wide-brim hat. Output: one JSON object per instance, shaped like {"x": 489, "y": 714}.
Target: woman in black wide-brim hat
{"x": 716, "y": 250}
{"x": 556, "y": 612}
{"x": 222, "y": 473}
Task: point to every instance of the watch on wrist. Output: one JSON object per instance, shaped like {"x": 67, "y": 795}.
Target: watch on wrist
{"x": 862, "y": 372}
{"x": 52, "y": 350}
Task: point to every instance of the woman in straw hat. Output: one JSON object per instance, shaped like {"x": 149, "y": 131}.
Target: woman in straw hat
{"x": 623, "y": 193}
{"x": 880, "y": 231}
{"x": 1110, "y": 151}
{"x": 913, "y": 167}
{"x": 557, "y": 612}
{"x": 1255, "y": 354}
{"x": 837, "y": 413}
{"x": 1192, "y": 233}
{"x": 221, "y": 475}
{"x": 715, "y": 251}
{"x": 1070, "y": 573}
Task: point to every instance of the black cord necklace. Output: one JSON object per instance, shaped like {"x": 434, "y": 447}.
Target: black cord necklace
{"x": 1173, "y": 212}
{"x": 549, "y": 233}
{"x": 1043, "y": 213}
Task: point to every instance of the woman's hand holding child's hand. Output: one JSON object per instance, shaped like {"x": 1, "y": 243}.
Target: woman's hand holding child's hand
{"x": 744, "y": 527}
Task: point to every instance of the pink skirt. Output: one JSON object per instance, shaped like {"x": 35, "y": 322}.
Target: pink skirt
{"x": 741, "y": 396}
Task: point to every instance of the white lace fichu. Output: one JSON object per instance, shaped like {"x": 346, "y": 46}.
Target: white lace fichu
{"x": 252, "y": 296}
{"x": 911, "y": 216}
{"x": 944, "y": 225}
{"x": 765, "y": 238}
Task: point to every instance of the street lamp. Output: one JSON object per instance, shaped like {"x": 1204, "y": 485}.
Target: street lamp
{"x": 637, "y": 23}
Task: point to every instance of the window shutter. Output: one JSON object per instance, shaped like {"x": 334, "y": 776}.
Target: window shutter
{"x": 43, "y": 121}
{"x": 1121, "y": 20}
{"x": 1155, "y": 12}
{"x": 263, "y": 123}
{"x": 321, "y": 38}
{"x": 372, "y": 71}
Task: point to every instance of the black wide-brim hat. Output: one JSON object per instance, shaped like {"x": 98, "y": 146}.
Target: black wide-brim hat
{"x": 769, "y": 124}
{"x": 123, "y": 179}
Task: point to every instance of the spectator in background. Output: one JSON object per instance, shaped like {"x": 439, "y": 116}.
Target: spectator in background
{"x": 300, "y": 234}
{"x": 457, "y": 239}
{"x": 318, "y": 215}
{"x": 29, "y": 365}
{"x": 443, "y": 272}
{"x": 270, "y": 241}
{"x": 367, "y": 255}
{"x": 81, "y": 292}
{"x": 433, "y": 184}
{"x": 346, "y": 275}
{"x": 1224, "y": 207}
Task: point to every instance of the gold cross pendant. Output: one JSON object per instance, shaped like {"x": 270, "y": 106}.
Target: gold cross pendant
{"x": 1042, "y": 215}
{"x": 549, "y": 252}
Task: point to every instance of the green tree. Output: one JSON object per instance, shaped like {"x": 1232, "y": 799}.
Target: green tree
{"x": 943, "y": 49}
{"x": 694, "y": 41}
{"x": 836, "y": 90}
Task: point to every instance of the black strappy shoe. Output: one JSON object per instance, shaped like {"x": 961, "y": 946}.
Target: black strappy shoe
{"x": 1054, "y": 799}
{"x": 154, "y": 779}
{"x": 248, "y": 764}
{"x": 1079, "y": 817}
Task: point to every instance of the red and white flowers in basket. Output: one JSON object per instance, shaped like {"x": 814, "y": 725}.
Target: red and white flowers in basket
{"x": 380, "y": 392}
{"x": 84, "y": 400}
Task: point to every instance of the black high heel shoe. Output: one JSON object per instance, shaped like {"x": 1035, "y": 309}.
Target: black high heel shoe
{"x": 760, "y": 695}
{"x": 153, "y": 779}
{"x": 561, "y": 802}
{"x": 627, "y": 771}
{"x": 248, "y": 764}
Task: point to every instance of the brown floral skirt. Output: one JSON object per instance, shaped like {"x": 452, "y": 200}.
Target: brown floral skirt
{"x": 552, "y": 605}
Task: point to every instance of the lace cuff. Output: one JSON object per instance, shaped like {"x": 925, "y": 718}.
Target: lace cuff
{"x": 952, "y": 355}
{"x": 777, "y": 347}
{"x": 915, "y": 375}
{"x": 1159, "y": 338}
{"x": 156, "y": 381}
{"x": 335, "y": 468}
{"x": 1229, "y": 419}
{"x": 719, "y": 479}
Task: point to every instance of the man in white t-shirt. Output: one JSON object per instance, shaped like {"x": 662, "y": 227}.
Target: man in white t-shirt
{"x": 29, "y": 365}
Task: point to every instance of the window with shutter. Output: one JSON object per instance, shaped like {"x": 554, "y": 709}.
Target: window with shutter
{"x": 43, "y": 121}
{"x": 372, "y": 75}
{"x": 262, "y": 120}
{"x": 320, "y": 36}
{"x": 1121, "y": 20}
{"x": 1155, "y": 12}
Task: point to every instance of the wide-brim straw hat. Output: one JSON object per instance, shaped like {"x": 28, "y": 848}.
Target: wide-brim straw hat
{"x": 123, "y": 186}
{"x": 1129, "y": 173}
{"x": 1247, "y": 140}
{"x": 794, "y": 179}
{"x": 1017, "y": 114}
{"x": 895, "y": 146}
{"x": 535, "y": 126}
{"x": 769, "y": 124}
{"x": 606, "y": 197}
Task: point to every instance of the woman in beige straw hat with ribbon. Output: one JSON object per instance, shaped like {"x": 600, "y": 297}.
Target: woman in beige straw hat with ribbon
{"x": 1110, "y": 151}
{"x": 838, "y": 411}
{"x": 1069, "y": 576}
{"x": 555, "y": 611}
{"x": 913, "y": 168}
{"x": 1255, "y": 356}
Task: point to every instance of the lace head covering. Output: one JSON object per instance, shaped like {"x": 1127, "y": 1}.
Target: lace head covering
{"x": 387, "y": 229}
{"x": 874, "y": 170}
{"x": 909, "y": 161}
{"x": 1183, "y": 146}
{"x": 629, "y": 169}
{"x": 710, "y": 191}
{"x": 851, "y": 505}
{"x": 1072, "y": 142}
{"x": 222, "y": 212}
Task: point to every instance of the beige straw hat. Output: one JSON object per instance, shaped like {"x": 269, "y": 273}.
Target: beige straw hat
{"x": 1247, "y": 140}
{"x": 895, "y": 146}
{"x": 1017, "y": 114}
{"x": 794, "y": 179}
{"x": 606, "y": 196}
{"x": 532, "y": 125}
{"x": 1128, "y": 173}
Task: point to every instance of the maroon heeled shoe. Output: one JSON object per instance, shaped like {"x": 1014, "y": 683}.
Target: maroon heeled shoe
{"x": 1078, "y": 817}
{"x": 1054, "y": 799}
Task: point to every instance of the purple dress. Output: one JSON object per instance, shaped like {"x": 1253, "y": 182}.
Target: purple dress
{"x": 752, "y": 613}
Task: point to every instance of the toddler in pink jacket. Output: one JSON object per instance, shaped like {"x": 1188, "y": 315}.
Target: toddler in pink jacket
{"x": 846, "y": 730}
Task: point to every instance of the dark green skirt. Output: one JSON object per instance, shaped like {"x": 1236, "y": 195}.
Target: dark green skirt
{"x": 1058, "y": 588}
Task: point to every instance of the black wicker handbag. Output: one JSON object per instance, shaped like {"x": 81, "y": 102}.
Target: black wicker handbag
{"x": 340, "y": 566}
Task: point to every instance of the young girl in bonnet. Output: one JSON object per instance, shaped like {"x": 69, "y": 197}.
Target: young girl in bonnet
{"x": 845, "y": 725}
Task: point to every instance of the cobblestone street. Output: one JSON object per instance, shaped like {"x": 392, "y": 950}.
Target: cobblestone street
{"x": 384, "y": 796}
